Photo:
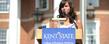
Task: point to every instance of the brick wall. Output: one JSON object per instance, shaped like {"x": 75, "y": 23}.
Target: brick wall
{"x": 104, "y": 22}
{"x": 4, "y": 20}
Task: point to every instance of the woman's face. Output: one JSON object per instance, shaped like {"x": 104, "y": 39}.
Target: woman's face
{"x": 66, "y": 8}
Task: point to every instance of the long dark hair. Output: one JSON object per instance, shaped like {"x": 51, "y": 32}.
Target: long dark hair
{"x": 71, "y": 15}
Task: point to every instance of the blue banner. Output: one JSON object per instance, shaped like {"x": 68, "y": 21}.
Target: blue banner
{"x": 58, "y": 36}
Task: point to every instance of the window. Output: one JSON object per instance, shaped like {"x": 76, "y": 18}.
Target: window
{"x": 43, "y": 5}
{"x": 95, "y": 3}
{"x": 90, "y": 35}
{"x": 92, "y": 32}
{"x": 91, "y": 40}
{"x": 4, "y": 5}
{"x": 91, "y": 28}
{"x": 2, "y": 36}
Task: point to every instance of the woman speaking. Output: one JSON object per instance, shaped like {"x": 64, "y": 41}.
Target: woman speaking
{"x": 67, "y": 11}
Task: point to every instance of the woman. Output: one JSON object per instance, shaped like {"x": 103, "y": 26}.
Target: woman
{"x": 67, "y": 11}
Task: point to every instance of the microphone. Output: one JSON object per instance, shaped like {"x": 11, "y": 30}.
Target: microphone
{"x": 63, "y": 13}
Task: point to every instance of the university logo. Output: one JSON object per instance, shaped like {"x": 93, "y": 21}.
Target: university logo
{"x": 58, "y": 36}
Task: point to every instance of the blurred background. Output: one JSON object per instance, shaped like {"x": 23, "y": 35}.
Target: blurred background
{"x": 33, "y": 14}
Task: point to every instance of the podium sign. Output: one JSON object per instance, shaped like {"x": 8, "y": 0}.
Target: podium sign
{"x": 58, "y": 36}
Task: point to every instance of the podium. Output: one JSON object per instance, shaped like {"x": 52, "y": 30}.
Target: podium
{"x": 58, "y": 36}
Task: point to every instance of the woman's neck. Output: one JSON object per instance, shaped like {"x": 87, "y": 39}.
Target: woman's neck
{"x": 67, "y": 22}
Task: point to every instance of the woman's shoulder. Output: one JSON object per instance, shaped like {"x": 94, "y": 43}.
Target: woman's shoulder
{"x": 71, "y": 25}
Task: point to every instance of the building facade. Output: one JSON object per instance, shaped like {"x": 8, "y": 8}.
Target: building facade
{"x": 17, "y": 21}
